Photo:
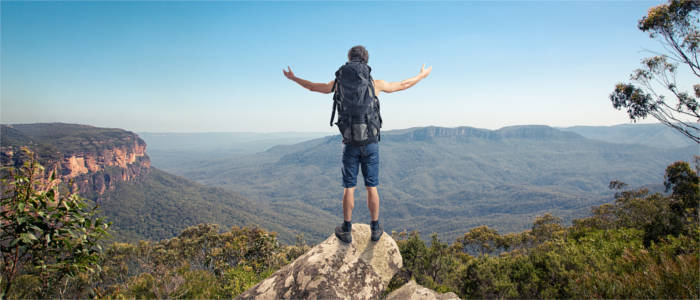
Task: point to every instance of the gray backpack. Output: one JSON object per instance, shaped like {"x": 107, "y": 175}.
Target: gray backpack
{"x": 359, "y": 120}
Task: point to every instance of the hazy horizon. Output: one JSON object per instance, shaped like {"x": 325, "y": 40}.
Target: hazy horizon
{"x": 334, "y": 130}
{"x": 216, "y": 66}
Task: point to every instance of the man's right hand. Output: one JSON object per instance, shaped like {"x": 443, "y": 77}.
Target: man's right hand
{"x": 288, "y": 73}
{"x": 324, "y": 88}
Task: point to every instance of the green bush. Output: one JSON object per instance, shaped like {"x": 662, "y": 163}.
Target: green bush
{"x": 49, "y": 240}
{"x": 201, "y": 262}
{"x": 641, "y": 246}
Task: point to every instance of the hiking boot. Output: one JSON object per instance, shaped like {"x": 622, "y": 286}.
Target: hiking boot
{"x": 377, "y": 232}
{"x": 345, "y": 236}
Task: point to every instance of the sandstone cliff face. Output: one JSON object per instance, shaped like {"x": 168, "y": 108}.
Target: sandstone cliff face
{"x": 94, "y": 174}
{"x": 93, "y": 159}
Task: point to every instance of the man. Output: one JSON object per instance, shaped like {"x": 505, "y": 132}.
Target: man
{"x": 365, "y": 155}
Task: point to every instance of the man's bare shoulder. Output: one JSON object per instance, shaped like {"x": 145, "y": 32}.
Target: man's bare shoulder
{"x": 379, "y": 85}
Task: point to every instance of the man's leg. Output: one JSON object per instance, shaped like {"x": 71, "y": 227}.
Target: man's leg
{"x": 350, "y": 166}
{"x": 348, "y": 203}
{"x": 372, "y": 203}
{"x": 351, "y": 161}
{"x": 370, "y": 171}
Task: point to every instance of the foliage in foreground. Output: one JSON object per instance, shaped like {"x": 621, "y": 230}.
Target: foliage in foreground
{"x": 201, "y": 262}
{"x": 48, "y": 240}
{"x": 642, "y": 246}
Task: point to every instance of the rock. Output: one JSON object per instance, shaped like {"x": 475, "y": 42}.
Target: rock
{"x": 335, "y": 270}
{"x": 413, "y": 291}
{"x": 94, "y": 159}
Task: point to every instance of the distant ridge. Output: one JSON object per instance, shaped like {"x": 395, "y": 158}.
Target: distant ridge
{"x": 653, "y": 135}
{"x": 64, "y": 136}
{"x": 524, "y": 131}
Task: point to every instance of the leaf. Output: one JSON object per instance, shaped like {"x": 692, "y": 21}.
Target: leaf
{"x": 27, "y": 237}
{"x": 37, "y": 229}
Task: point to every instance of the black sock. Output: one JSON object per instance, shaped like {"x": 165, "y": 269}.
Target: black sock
{"x": 347, "y": 225}
{"x": 374, "y": 224}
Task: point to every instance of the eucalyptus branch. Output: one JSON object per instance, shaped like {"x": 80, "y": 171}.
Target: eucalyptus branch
{"x": 668, "y": 36}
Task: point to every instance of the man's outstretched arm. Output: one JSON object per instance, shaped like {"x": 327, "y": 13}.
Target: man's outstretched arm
{"x": 390, "y": 87}
{"x": 312, "y": 86}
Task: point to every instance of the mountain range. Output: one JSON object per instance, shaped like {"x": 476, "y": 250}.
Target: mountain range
{"x": 444, "y": 180}
{"x": 432, "y": 179}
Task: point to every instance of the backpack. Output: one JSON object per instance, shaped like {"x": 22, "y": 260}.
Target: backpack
{"x": 359, "y": 120}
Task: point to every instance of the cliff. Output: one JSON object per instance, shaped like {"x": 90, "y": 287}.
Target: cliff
{"x": 93, "y": 159}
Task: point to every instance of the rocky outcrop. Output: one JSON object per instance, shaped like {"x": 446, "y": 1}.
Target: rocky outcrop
{"x": 93, "y": 159}
{"x": 122, "y": 157}
{"x": 414, "y": 291}
{"x": 95, "y": 173}
{"x": 335, "y": 270}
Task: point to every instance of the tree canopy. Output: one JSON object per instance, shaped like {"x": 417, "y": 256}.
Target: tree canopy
{"x": 655, "y": 91}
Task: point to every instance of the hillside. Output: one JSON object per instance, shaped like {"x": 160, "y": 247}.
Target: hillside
{"x": 160, "y": 205}
{"x": 445, "y": 180}
{"x": 110, "y": 166}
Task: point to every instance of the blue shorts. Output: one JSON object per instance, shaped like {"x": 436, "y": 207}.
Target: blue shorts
{"x": 365, "y": 156}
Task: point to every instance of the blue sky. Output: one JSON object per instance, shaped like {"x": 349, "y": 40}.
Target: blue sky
{"x": 217, "y": 66}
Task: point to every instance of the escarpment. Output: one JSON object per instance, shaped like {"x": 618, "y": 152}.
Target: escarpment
{"x": 90, "y": 159}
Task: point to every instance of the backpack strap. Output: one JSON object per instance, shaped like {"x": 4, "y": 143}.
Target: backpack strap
{"x": 371, "y": 87}
{"x": 333, "y": 113}
{"x": 379, "y": 114}
{"x": 335, "y": 103}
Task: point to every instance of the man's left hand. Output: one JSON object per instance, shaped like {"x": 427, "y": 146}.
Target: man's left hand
{"x": 288, "y": 73}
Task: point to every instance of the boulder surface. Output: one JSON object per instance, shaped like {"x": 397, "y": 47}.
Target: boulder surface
{"x": 414, "y": 291}
{"x": 335, "y": 270}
